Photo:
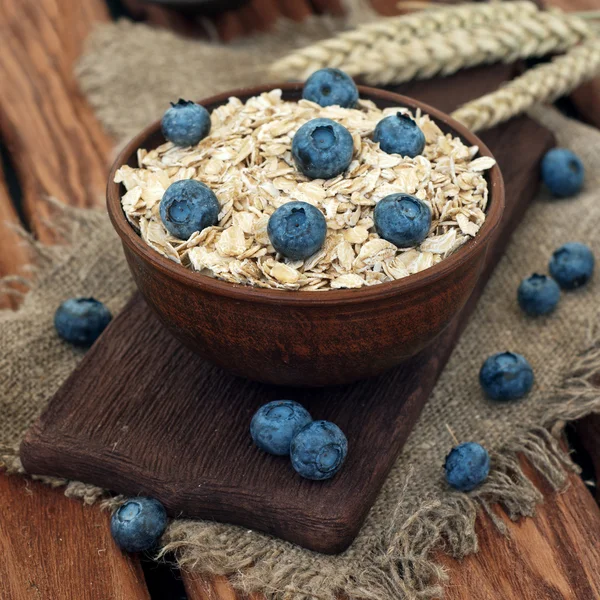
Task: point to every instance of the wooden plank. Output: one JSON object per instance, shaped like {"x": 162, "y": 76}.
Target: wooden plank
{"x": 57, "y": 548}
{"x": 217, "y": 588}
{"x": 57, "y": 145}
{"x": 13, "y": 253}
{"x": 53, "y": 547}
{"x": 552, "y": 556}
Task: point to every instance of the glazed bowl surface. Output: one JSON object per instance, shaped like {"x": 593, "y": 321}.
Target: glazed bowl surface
{"x": 306, "y": 338}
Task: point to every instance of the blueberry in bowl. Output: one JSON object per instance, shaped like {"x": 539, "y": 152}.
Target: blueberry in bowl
{"x": 328, "y": 87}
{"x": 322, "y": 149}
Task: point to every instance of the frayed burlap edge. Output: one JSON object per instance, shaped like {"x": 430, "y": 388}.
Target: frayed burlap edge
{"x": 400, "y": 564}
{"x": 67, "y": 224}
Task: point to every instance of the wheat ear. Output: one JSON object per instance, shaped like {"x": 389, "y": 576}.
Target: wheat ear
{"x": 543, "y": 83}
{"x": 348, "y": 48}
{"x": 445, "y": 53}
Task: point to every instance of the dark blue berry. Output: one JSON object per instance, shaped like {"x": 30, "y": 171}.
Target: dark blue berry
{"x": 297, "y": 230}
{"x": 331, "y": 86}
{"x": 402, "y": 219}
{"x": 275, "y": 424}
{"x": 322, "y": 149}
{"x": 562, "y": 172}
{"x": 572, "y": 265}
{"x": 538, "y": 295}
{"x": 399, "y": 134}
{"x": 467, "y": 466}
{"x": 185, "y": 123}
{"x": 319, "y": 450}
{"x": 137, "y": 525}
{"x": 188, "y": 206}
{"x": 506, "y": 376}
{"x": 81, "y": 320}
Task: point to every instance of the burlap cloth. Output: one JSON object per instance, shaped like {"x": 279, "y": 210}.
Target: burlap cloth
{"x": 129, "y": 74}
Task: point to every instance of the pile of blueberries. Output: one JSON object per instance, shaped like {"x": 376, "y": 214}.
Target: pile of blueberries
{"x": 322, "y": 148}
{"x": 317, "y": 449}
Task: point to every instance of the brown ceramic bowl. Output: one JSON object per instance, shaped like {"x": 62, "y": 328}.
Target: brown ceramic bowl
{"x": 306, "y": 338}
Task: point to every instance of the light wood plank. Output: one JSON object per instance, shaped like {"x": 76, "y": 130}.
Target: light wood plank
{"x": 56, "y": 548}
{"x": 13, "y": 253}
{"x": 552, "y": 556}
{"x": 53, "y": 547}
{"x": 57, "y": 145}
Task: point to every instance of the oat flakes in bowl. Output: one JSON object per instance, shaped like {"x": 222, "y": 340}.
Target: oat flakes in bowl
{"x": 246, "y": 161}
{"x": 287, "y": 336}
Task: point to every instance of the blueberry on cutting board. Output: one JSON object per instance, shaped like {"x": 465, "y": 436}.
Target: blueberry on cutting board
{"x": 275, "y": 424}
{"x": 318, "y": 451}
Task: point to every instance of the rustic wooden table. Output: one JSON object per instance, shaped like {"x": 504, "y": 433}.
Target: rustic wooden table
{"x": 56, "y": 548}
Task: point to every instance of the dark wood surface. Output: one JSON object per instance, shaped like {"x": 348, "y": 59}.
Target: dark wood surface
{"x": 168, "y": 424}
{"x": 295, "y": 338}
{"x": 19, "y": 20}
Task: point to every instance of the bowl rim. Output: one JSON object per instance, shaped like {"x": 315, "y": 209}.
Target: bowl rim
{"x": 134, "y": 242}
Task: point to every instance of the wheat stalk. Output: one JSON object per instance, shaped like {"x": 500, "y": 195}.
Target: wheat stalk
{"x": 445, "y": 53}
{"x": 505, "y": 38}
{"x": 349, "y": 48}
{"x": 543, "y": 83}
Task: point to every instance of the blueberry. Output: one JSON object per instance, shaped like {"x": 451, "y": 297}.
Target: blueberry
{"x": 275, "y": 424}
{"x": 572, "y": 265}
{"x": 185, "y": 123}
{"x": 138, "y": 524}
{"x": 319, "y": 450}
{"x": 331, "y": 86}
{"x": 188, "y": 206}
{"x": 402, "y": 219}
{"x": 506, "y": 376}
{"x": 562, "y": 172}
{"x": 538, "y": 295}
{"x": 399, "y": 134}
{"x": 467, "y": 466}
{"x": 297, "y": 230}
{"x": 81, "y": 320}
{"x": 322, "y": 149}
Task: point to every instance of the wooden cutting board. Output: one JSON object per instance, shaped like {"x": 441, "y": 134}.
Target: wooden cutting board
{"x": 143, "y": 415}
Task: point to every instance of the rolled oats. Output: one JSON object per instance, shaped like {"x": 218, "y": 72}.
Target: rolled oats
{"x": 246, "y": 160}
